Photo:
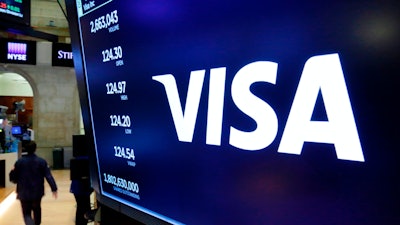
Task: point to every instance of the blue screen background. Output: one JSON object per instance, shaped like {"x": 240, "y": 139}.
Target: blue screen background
{"x": 196, "y": 183}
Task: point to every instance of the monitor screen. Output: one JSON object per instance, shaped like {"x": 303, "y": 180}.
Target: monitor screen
{"x": 242, "y": 112}
{"x": 16, "y": 130}
{"x": 16, "y": 11}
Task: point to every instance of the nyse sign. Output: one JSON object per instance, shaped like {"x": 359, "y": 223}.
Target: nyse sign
{"x": 321, "y": 73}
{"x": 17, "y": 51}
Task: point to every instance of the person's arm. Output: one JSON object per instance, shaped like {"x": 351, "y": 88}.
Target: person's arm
{"x": 50, "y": 179}
{"x": 13, "y": 174}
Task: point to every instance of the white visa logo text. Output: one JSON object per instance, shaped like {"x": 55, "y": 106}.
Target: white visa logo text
{"x": 321, "y": 73}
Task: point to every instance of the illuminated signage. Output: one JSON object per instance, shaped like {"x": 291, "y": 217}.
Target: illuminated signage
{"x": 14, "y": 10}
{"x": 321, "y": 73}
{"x": 17, "y": 51}
{"x": 246, "y": 112}
{"x": 62, "y": 55}
{"x": 87, "y": 6}
{"x": 17, "y": 11}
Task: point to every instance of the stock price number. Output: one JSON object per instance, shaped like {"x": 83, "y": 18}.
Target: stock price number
{"x": 121, "y": 183}
{"x": 125, "y": 153}
{"x": 112, "y": 54}
{"x": 120, "y": 121}
{"x": 116, "y": 87}
{"x": 104, "y": 22}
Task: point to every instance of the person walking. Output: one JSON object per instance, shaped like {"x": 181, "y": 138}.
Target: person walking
{"x": 29, "y": 174}
{"x": 82, "y": 190}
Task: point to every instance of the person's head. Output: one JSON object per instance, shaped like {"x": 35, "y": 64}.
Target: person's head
{"x": 30, "y": 147}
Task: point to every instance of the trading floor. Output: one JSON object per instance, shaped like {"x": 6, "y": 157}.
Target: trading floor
{"x": 60, "y": 211}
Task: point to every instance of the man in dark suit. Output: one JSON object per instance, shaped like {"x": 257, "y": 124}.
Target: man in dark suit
{"x": 30, "y": 172}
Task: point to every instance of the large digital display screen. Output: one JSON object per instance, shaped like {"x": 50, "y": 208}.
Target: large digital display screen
{"x": 17, "y": 11}
{"x": 243, "y": 112}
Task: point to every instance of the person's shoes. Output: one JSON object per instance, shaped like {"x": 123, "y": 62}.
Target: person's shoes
{"x": 90, "y": 215}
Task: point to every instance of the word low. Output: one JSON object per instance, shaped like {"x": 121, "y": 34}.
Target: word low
{"x": 321, "y": 73}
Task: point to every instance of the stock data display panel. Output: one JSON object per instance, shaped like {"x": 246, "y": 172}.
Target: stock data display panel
{"x": 17, "y": 11}
{"x": 245, "y": 112}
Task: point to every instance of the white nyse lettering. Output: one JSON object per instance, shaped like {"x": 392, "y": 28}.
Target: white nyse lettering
{"x": 251, "y": 105}
{"x": 184, "y": 119}
{"x": 322, "y": 73}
